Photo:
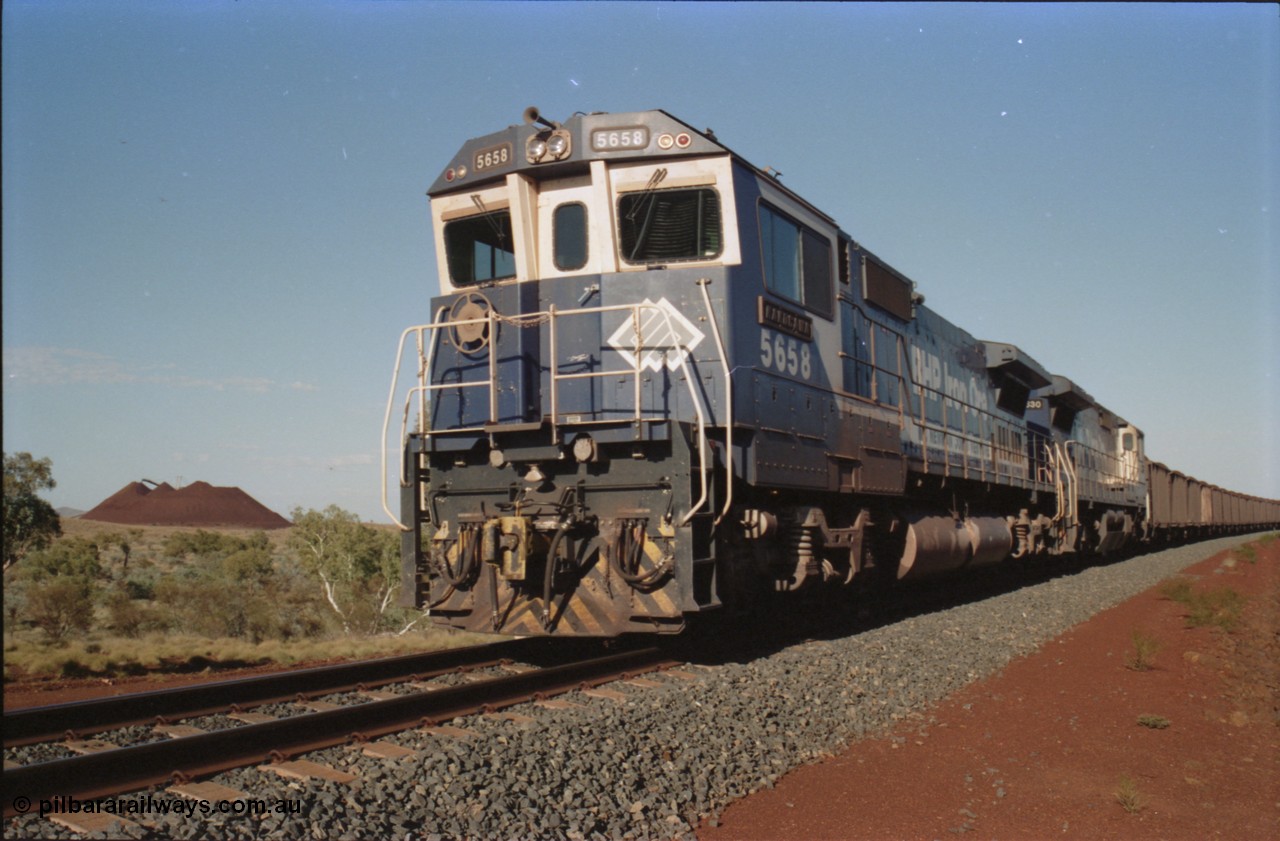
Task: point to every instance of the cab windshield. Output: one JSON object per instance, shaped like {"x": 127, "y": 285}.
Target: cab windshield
{"x": 661, "y": 226}
{"x": 480, "y": 248}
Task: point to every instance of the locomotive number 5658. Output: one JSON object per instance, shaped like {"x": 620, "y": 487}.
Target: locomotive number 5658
{"x": 785, "y": 353}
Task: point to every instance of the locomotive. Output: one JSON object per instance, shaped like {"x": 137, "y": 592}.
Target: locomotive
{"x": 660, "y": 384}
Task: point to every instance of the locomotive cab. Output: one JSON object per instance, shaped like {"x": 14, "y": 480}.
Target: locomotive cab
{"x": 560, "y": 462}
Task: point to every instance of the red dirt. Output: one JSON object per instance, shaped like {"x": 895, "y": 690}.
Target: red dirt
{"x": 197, "y": 504}
{"x": 1040, "y": 750}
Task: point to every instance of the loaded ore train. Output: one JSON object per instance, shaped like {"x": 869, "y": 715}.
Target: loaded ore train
{"x": 660, "y": 384}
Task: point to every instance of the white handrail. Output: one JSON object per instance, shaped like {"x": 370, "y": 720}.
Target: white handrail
{"x": 703, "y": 283}
{"x": 391, "y": 397}
{"x": 425, "y": 387}
{"x": 386, "y": 422}
{"x": 635, "y": 309}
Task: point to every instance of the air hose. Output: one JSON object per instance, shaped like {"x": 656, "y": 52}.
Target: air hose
{"x": 548, "y": 577}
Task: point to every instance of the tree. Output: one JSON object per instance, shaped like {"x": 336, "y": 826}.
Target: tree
{"x": 125, "y": 541}
{"x": 30, "y": 522}
{"x": 356, "y": 563}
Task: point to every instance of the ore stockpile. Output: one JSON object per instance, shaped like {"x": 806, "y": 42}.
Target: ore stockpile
{"x": 197, "y": 504}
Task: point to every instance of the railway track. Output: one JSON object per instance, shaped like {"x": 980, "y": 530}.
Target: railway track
{"x": 119, "y": 770}
{"x": 81, "y": 718}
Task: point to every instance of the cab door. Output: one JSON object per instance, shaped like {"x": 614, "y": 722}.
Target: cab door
{"x": 570, "y": 240}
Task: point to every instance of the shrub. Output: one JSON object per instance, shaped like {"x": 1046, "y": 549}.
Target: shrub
{"x": 208, "y": 544}
{"x": 1247, "y": 553}
{"x": 60, "y": 605}
{"x": 70, "y": 556}
{"x": 1145, "y": 646}
{"x": 1127, "y": 795}
{"x": 140, "y": 588}
{"x": 247, "y": 566}
{"x": 126, "y": 616}
{"x": 1221, "y": 607}
{"x": 1155, "y": 722}
{"x": 200, "y": 542}
{"x": 1178, "y": 590}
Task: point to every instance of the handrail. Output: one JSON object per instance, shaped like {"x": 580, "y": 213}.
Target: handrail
{"x": 386, "y": 418}
{"x": 425, "y": 387}
{"x": 703, "y": 283}
{"x": 1074, "y": 477}
{"x": 636, "y": 368}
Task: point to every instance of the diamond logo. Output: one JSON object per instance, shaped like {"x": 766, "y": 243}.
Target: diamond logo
{"x": 665, "y": 336}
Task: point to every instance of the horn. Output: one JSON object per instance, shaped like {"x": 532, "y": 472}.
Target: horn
{"x": 531, "y": 116}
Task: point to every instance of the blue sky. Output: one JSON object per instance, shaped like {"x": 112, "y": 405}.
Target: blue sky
{"x": 215, "y": 225}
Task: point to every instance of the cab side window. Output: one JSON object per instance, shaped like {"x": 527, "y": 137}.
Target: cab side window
{"x": 797, "y": 261}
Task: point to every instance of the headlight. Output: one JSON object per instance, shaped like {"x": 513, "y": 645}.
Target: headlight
{"x": 548, "y": 146}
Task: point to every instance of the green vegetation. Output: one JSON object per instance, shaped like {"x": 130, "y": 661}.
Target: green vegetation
{"x": 1249, "y": 551}
{"x": 103, "y": 601}
{"x": 1220, "y": 607}
{"x": 30, "y": 523}
{"x": 358, "y": 566}
{"x": 1127, "y": 795}
{"x": 1177, "y": 590}
{"x": 1142, "y": 657}
{"x": 1154, "y": 722}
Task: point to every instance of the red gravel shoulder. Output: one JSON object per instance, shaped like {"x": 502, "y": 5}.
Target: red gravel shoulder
{"x": 1046, "y": 748}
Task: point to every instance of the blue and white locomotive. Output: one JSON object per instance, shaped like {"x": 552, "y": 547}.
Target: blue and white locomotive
{"x": 658, "y": 383}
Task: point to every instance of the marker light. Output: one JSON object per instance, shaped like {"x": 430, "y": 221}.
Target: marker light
{"x": 584, "y": 449}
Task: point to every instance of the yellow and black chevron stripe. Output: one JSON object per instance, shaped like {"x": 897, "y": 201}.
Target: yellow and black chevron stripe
{"x": 601, "y": 604}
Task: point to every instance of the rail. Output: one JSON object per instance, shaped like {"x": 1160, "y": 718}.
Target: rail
{"x": 130, "y": 768}
{"x": 35, "y": 724}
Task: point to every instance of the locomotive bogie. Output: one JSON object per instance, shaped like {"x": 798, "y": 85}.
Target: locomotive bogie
{"x": 659, "y": 383}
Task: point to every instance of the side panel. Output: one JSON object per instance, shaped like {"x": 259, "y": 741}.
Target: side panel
{"x": 801, "y": 427}
{"x": 1160, "y": 484}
